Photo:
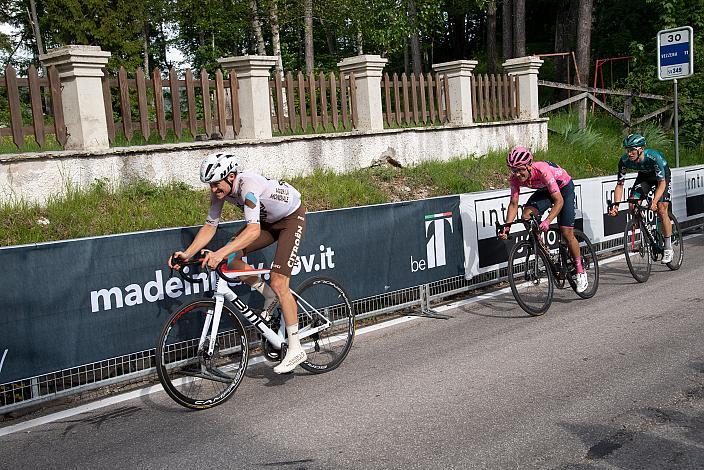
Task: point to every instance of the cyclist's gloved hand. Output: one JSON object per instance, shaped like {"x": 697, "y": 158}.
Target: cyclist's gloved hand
{"x": 503, "y": 233}
{"x": 613, "y": 210}
{"x": 545, "y": 225}
{"x": 174, "y": 258}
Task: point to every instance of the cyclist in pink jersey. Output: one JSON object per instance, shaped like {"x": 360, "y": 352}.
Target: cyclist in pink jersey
{"x": 554, "y": 188}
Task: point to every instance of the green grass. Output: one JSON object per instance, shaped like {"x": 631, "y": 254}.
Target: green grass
{"x": 103, "y": 210}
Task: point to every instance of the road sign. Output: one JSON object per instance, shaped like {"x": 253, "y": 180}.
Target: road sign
{"x": 675, "y": 53}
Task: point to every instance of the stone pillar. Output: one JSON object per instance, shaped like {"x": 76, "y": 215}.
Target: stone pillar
{"x": 80, "y": 70}
{"x": 526, "y": 69}
{"x": 459, "y": 80}
{"x": 367, "y": 73}
{"x": 253, "y": 73}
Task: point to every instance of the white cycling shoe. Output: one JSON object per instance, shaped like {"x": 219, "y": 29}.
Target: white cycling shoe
{"x": 667, "y": 256}
{"x": 582, "y": 282}
{"x": 291, "y": 360}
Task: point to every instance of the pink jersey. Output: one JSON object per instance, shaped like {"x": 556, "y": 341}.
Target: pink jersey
{"x": 545, "y": 175}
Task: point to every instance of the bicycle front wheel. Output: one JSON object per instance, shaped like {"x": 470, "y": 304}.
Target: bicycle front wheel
{"x": 677, "y": 245}
{"x": 189, "y": 373}
{"x": 636, "y": 248}
{"x": 590, "y": 263}
{"x": 326, "y": 323}
{"x": 530, "y": 278}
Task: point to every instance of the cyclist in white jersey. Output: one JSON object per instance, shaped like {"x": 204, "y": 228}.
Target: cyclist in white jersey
{"x": 273, "y": 212}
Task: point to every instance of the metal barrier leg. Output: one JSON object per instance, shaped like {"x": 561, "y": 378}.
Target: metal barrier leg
{"x": 425, "y": 310}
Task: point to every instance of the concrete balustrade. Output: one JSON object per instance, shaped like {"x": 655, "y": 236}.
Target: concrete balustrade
{"x": 526, "y": 70}
{"x": 459, "y": 81}
{"x": 253, "y": 73}
{"x": 80, "y": 71}
{"x": 367, "y": 71}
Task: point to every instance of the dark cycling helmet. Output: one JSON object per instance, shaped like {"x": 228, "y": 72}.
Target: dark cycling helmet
{"x": 216, "y": 166}
{"x": 634, "y": 140}
{"x": 519, "y": 157}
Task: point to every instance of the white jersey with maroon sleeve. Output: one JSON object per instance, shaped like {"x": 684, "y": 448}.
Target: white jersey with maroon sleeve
{"x": 262, "y": 199}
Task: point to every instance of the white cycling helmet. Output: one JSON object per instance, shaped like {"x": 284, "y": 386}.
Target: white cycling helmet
{"x": 216, "y": 166}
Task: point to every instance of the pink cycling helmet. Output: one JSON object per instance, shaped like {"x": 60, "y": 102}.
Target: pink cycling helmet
{"x": 519, "y": 157}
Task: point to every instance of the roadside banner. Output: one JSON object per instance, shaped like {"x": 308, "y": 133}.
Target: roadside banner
{"x": 69, "y": 303}
{"x": 484, "y": 252}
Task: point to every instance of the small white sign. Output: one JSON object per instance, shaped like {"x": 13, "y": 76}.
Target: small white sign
{"x": 675, "y": 53}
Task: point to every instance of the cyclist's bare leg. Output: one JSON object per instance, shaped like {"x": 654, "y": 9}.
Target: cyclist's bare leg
{"x": 666, "y": 226}
{"x": 238, "y": 263}
{"x": 295, "y": 353}
{"x": 573, "y": 246}
{"x": 280, "y": 285}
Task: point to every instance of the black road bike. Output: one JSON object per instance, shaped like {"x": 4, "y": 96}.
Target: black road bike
{"x": 643, "y": 242}
{"x": 534, "y": 269}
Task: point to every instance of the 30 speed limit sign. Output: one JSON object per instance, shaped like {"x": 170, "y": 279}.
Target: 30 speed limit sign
{"x": 675, "y": 53}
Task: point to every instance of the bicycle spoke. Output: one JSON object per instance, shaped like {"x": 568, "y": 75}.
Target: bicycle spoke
{"x": 190, "y": 374}
{"x": 326, "y": 324}
{"x": 637, "y": 250}
{"x": 530, "y": 279}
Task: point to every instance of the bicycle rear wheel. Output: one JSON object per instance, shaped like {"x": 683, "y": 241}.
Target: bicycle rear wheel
{"x": 677, "y": 245}
{"x": 530, "y": 278}
{"x": 321, "y": 300}
{"x": 636, "y": 248}
{"x": 590, "y": 263}
{"x": 191, "y": 376}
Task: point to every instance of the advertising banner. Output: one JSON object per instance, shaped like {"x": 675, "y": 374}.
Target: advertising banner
{"x": 484, "y": 252}
{"x": 694, "y": 192}
{"x": 74, "y": 302}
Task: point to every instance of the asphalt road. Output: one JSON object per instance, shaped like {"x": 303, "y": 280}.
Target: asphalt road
{"x": 616, "y": 381}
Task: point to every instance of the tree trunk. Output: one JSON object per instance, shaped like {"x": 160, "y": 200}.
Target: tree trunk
{"x": 507, "y": 29}
{"x": 458, "y": 34}
{"x": 35, "y": 27}
{"x": 360, "y": 41}
{"x": 584, "y": 35}
{"x": 145, "y": 45}
{"x": 519, "y": 28}
{"x": 565, "y": 32}
{"x": 275, "y": 37}
{"x": 308, "y": 19}
{"x": 330, "y": 39}
{"x": 492, "y": 58}
{"x": 415, "y": 40}
{"x": 257, "y": 26}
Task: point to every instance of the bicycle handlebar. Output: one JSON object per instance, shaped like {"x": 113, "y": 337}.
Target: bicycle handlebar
{"x": 526, "y": 222}
{"x": 630, "y": 200}
{"x": 179, "y": 265}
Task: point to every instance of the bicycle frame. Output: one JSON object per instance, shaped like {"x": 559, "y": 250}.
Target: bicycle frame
{"x": 277, "y": 339}
{"x": 651, "y": 233}
{"x": 538, "y": 244}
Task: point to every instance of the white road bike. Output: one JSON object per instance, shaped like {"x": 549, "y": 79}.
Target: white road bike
{"x": 203, "y": 349}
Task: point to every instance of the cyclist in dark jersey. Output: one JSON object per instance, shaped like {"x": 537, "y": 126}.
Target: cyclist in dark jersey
{"x": 554, "y": 188}
{"x": 273, "y": 213}
{"x": 653, "y": 172}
